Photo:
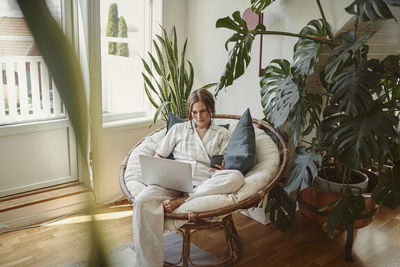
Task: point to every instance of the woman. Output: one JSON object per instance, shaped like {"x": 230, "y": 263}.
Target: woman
{"x": 194, "y": 141}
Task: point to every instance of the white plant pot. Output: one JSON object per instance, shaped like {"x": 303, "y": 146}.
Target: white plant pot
{"x": 328, "y": 186}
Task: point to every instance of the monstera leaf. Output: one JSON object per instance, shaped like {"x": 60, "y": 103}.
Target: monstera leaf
{"x": 362, "y": 139}
{"x": 259, "y": 5}
{"x": 239, "y": 57}
{"x": 371, "y": 10}
{"x": 313, "y": 104}
{"x": 279, "y": 93}
{"x": 281, "y": 208}
{"x": 306, "y": 51}
{"x": 348, "y": 44}
{"x": 344, "y": 211}
{"x": 305, "y": 168}
{"x": 297, "y": 121}
{"x": 387, "y": 190}
{"x": 351, "y": 90}
{"x": 389, "y": 71}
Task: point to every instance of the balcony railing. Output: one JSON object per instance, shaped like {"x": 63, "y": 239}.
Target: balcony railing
{"x": 27, "y": 92}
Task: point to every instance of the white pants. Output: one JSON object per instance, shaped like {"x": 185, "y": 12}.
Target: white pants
{"x": 148, "y": 214}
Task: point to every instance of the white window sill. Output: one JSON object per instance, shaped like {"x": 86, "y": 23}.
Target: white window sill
{"x": 33, "y": 126}
{"x": 133, "y": 123}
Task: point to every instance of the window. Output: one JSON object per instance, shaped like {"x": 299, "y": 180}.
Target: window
{"x": 27, "y": 92}
{"x": 126, "y": 27}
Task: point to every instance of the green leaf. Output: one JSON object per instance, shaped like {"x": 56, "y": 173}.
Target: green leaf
{"x": 297, "y": 122}
{"x": 159, "y": 110}
{"x": 159, "y": 57}
{"x": 281, "y": 208}
{"x": 208, "y": 85}
{"x": 152, "y": 101}
{"x": 279, "y": 93}
{"x": 239, "y": 57}
{"x": 348, "y": 44}
{"x": 371, "y": 10}
{"x": 344, "y": 211}
{"x": 155, "y": 65}
{"x": 314, "y": 106}
{"x": 182, "y": 69}
{"x": 351, "y": 91}
{"x": 306, "y": 51}
{"x": 228, "y": 23}
{"x": 190, "y": 80}
{"x": 147, "y": 68}
{"x": 363, "y": 139}
{"x": 389, "y": 69}
{"x": 176, "y": 45}
{"x": 171, "y": 82}
{"x": 168, "y": 46}
{"x": 259, "y": 5}
{"x": 238, "y": 19}
{"x": 148, "y": 82}
{"x": 305, "y": 168}
{"x": 387, "y": 191}
{"x": 391, "y": 64}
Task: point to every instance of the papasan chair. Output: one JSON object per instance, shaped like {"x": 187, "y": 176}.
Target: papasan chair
{"x": 215, "y": 211}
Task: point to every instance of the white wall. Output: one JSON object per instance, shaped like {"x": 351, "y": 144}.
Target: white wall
{"x": 115, "y": 143}
{"x": 175, "y": 14}
{"x": 206, "y": 44}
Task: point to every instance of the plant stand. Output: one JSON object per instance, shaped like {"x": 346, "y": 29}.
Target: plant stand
{"x": 311, "y": 200}
{"x": 349, "y": 243}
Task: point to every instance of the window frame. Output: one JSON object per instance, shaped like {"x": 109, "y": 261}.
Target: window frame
{"x": 154, "y": 10}
{"x": 51, "y": 124}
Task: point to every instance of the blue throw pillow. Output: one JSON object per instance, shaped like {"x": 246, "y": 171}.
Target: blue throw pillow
{"x": 172, "y": 119}
{"x": 240, "y": 153}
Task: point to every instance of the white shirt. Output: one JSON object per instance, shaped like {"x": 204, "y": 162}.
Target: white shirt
{"x": 187, "y": 146}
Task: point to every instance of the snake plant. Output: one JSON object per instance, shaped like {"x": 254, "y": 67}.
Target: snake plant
{"x": 169, "y": 81}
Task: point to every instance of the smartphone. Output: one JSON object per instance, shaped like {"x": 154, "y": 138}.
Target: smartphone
{"x": 216, "y": 159}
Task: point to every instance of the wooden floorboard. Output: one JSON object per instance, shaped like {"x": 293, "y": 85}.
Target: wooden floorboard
{"x": 68, "y": 241}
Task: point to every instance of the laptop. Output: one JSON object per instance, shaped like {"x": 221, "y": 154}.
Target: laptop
{"x": 170, "y": 174}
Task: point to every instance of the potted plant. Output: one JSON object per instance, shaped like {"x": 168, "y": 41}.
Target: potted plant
{"x": 169, "y": 79}
{"x": 348, "y": 124}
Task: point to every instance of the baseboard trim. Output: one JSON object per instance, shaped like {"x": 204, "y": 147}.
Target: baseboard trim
{"x": 39, "y": 191}
{"x": 43, "y": 200}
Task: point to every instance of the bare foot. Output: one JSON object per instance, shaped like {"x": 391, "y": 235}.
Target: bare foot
{"x": 171, "y": 204}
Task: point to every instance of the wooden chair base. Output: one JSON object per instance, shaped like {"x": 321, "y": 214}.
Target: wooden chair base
{"x": 234, "y": 243}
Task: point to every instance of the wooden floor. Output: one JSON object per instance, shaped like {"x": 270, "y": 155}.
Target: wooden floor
{"x": 68, "y": 241}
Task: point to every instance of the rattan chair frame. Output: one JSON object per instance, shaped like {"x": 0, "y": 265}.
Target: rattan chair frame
{"x": 201, "y": 220}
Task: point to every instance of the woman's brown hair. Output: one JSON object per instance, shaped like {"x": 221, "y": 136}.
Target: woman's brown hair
{"x": 204, "y": 96}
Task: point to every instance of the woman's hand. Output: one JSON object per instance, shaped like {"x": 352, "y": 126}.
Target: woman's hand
{"x": 218, "y": 167}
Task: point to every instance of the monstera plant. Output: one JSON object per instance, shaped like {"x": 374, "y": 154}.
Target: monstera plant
{"x": 350, "y": 120}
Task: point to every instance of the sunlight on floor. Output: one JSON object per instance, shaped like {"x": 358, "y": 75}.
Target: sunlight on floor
{"x": 121, "y": 206}
{"x": 97, "y": 217}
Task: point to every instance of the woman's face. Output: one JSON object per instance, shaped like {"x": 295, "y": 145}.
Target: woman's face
{"x": 200, "y": 114}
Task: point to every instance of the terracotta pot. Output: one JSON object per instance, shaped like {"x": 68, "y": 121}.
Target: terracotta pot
{"x": 311, "y": 199}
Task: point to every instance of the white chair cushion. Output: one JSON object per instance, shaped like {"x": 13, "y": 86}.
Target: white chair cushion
{"x": 259, "y": 176}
